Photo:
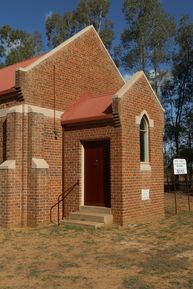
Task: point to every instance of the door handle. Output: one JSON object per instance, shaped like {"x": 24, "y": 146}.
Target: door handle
{"x": 96, "y": 163}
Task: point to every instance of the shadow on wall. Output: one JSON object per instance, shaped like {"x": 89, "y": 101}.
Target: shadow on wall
{"x": 4, "y": 140}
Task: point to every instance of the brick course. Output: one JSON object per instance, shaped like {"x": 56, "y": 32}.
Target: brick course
{"x": 81, "y": 67}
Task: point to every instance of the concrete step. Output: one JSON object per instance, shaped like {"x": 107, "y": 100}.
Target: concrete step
{"x": 107, "y": 219}
{"x": 94, "y": 209}
{"x": 87, "y": 224}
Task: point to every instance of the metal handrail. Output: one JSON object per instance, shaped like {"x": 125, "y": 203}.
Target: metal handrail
{"x": 61, "y": 198}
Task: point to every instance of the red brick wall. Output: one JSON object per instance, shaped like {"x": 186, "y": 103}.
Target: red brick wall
{"x": 38, "y": 201}
{"x": 13, "y": 184}
{"x": 9, "y": 199}
{"x": 32, "y": 136}
{"x": 52, "y": 153}
{"x": 81, "y": 67}
{"x": 139, "y": 98}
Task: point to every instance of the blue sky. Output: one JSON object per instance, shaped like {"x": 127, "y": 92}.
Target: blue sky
{"x": 30, "y": 15}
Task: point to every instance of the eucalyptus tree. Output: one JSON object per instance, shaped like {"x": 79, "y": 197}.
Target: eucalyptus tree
{"x": 177, "y": 91}
{"x": 145, "y": 40}
{"x": 17, "y": 45}
{"x": 88, "y": 12}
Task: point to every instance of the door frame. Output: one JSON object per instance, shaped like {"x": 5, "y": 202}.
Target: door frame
{"x": 82, "y": 164}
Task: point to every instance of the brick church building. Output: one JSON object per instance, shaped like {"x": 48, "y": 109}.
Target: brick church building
{"x": 69, "y": 120}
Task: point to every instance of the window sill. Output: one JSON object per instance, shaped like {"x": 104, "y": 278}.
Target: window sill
{"x": 145, "y": 167}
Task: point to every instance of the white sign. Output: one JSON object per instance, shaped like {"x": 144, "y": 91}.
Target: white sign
{"x": 145, "y": 194}
{"x": 180, "y": 166}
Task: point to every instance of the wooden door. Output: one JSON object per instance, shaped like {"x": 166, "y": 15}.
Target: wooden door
{"x": 97, "y": 173}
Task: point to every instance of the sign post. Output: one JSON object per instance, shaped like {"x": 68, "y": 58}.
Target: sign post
{"x": 180, "y": 168}
{"x": 175, "y": 199}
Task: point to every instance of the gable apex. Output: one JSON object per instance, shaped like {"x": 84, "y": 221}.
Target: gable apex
{"x": 65, "y": 43}
{"x": 131, "y": 82}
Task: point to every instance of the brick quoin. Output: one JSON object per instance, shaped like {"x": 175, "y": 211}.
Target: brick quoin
{"x": 82, "y": 67}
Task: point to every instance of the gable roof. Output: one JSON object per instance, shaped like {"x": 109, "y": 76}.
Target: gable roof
{"x": 68, "y": 41}
{"x": 7, "y": 74}
{"x": 132, "y": 81}
{"x": 89, "y": 108}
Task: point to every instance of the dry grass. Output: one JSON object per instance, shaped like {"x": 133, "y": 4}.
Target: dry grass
{"x": 156, "y": 255}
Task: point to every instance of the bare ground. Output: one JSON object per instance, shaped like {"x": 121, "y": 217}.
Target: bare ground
{"x": 145, "y": 256}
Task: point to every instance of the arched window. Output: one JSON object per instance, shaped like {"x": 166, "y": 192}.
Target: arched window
{"x": 144, "y": 140}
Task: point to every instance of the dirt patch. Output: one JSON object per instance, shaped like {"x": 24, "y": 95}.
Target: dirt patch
{"x": 146, "y": 256}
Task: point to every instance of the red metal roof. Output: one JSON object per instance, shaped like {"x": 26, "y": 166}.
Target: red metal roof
{"x": 7, "y": 74}
{"x": 89, "y": 108}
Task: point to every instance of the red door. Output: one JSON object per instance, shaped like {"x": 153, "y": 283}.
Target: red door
{"x": 97, "y": 173}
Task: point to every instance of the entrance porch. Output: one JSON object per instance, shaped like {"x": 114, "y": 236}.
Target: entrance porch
{"x": 96, "y": 187}
{"x": 90, "y": 154}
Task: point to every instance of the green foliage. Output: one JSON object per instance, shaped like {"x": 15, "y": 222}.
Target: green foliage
{"x": 87, "y": 12}
{"x": 92, "y": 12}
{"x": 177, "y": 92}
{"x": 17, "y": 45}
{"x": 59, "y": 28}
{"x": 144, "y": 43}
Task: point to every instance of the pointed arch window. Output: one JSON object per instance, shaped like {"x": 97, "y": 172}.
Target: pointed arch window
{"x": 144, "y": 140}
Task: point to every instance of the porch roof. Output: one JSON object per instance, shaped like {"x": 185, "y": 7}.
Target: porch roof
{"x": 87, "y": 109}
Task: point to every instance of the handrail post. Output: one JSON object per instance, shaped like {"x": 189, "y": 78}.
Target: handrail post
{"x": 58, "y": 213}
{"x": 51, "y": 215}
{"x": 63, "y": 208}
{"x": 61, "y": 198}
